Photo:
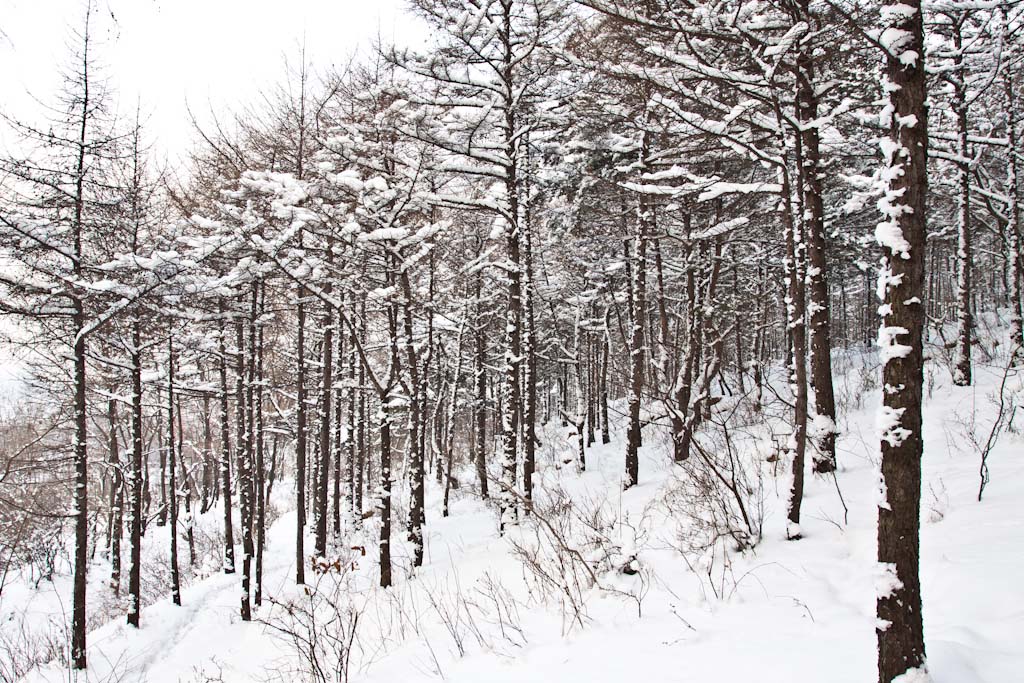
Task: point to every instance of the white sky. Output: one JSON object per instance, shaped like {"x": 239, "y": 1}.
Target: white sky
{"x": 214, "y": 54}
{"x": 210, "y": 53}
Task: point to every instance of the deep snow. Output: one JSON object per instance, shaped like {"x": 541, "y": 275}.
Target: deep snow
{"x": 784, "y": 611}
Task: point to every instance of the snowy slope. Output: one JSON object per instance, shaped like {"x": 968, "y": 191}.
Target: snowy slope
{"x": 785, "y": 611}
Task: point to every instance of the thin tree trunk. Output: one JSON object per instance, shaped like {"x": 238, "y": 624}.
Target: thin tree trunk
{"x": 243, "y": 414}
{"x": 260, "y": 483}
{"x": 172, "y": 475}
{"x": 530, "y": 408}
{"x": 606, "y": 342}
{"x": 135, "y": 522}
{"x": 1013, "y": 213}
{"x": 225, "y": 452}
{"x": 796, "y": 323}
{"x": 636, "y": 336}
{"x": 300, "y": 441}
{"x": 965, "y": 322}
{"x": 813, "y": 218}
{"x": 384, "y": 501}
{"x": 480, "y": 400}
{"x": 115, "y": 521}
{"x": 326, "y": 392}
{"x": 417, "y": 505}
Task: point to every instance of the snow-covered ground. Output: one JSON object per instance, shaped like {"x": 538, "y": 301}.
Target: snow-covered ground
{"x": 785, "y": 611}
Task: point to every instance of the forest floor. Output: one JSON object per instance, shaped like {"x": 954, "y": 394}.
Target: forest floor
{"x": 783, "y": 611}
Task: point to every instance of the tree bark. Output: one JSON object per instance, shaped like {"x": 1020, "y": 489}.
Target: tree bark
{"x": 135, "y": 522}
{"x": 819, "y": 308}
{"x": 797, "y": 323}
{"x": 965, "y": 320}
{"x": 225, "y": 451}
{"x": 900, "y": 629}
{"x": 172, "y": 476}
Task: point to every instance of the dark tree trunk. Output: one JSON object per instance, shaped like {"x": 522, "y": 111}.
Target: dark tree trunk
{"x": 225, "y": 452}
{"x": 351, "y": 445}
{"x": 417, "y": 512}
{"x": 819, "y": 315}
{"x": 78, "y": 624}
{"x": 172, "y": 475}
{"x": 244, "y": 443}
{"x": 339, "y": 411}
{"x": 1014, "y": 214}
{"x": 326, "y": 393}
{"x": 115, "y": 521}
{"x": 135, "y": 521}
{"x": 384, "y": 502}
{"x": 964, "y": 257}
{"x": 900, "y": 632}
{"x": 530, "y": 408}
{"x": 300, "y": 442}
{"x": 796, "y": 319}
{"x": 209, "y": 492}
{"x": 260, "y": 479}
{"x": 480, "y": 401}
{"x": 188, "y": 487}
{"x": 511, "y": 394}
{"x": 636, "y": 336}
{"x": 361, "y": 443}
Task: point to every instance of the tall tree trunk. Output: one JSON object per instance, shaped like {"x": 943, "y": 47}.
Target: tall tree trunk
{"x": 161, "y": 519}
{"x": 81, "y": 493}
{"x": 336, "y": 439}
{"x": 188, "y": 486}
{"x": 209, "y": 491}
{"x": 530, "y": 379}
{"x": 244, "y": 443}
{"x": 135, "y": 521}
{"x": 260, "y": 483}
{"x": 511, "y": 395}
{"x": 172, "y": 475}
{"x": 964, "y": 257}
{"x": 796, "y": 322}
{"x": 606, "y": 341}
{"x": 900, "y": 628}
{"x": 361, "y": 443}
{"x": 480, "y": 400}
{"x": 326, "y": 393}
{"x": 819, "y": 314}
{"x": 115, "y": 521}
{"x": 636, "y": 336}
{"x": 448, "y": 436}
{"x": 1013, "y": 229}
{"x": 300, "y": 441}
{"x": 225, "y": 451}
{"x": 351, "y": 447}
{"x": 384, "y": 501}
{"x": 417, "y": 505}
{"x": 682, "y": 433}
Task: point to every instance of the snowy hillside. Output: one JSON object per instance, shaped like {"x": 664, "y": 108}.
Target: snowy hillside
{"x": 782, "y": 611}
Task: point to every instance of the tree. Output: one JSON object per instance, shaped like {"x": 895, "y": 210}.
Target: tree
{"x": 55, "y": 227}
{"x": 901, "y": 284}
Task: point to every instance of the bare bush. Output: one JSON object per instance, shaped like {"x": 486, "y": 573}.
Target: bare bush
{"x": 572, "y": 545}
{"x": 984, "y": 436}
{"x": 716, "y": 499}
{"x": 321, "y": 624}
{"x": 24, "y": 647}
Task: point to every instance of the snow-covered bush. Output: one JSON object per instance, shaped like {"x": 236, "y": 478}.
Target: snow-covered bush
{"x": 715, "y": 498}
{"x": 319, "y": 624}
{"x": 571, "y": 545}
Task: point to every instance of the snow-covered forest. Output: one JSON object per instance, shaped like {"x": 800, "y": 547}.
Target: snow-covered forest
{"x": 587, "y": 341}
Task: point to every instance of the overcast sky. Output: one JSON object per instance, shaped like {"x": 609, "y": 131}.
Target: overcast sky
{"x": 215, "y": 53}
{"x": 211, "y": 53}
